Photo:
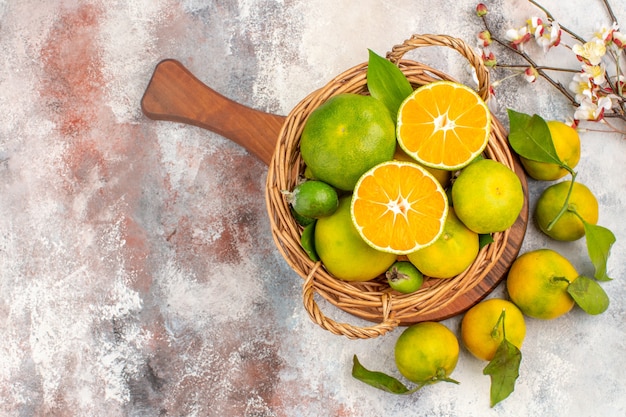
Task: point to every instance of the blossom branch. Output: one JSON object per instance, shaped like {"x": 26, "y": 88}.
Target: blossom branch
{"x": 527, "y": 58}
{"x": 593, "y": 91}
{"x": 539, "y": 67}
{"x": 613, "y": 127}
{"x": 552, "y": 19}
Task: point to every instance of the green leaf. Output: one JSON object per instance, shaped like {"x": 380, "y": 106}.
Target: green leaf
{"x": 530, "y": 138}
{"x": 599, "y": 241}
{"x": 504, "y": 371}
{"x": 387, "y": 83}
{"x": 484, "y": 240}
{"x": 589, "y": 295}
{"x": 378, "y": 379}
{"x": 307, "y": 240}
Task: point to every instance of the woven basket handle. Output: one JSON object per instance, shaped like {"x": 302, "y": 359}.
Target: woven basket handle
{"x": 420, "y": 41}
{"x": 344, "y": 329}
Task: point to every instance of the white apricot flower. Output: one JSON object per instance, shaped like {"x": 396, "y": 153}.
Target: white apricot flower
{"x": 596, "y": 73}
{"x": 517, "y": 37}
{"x": 535, "y": 25}
{"x": 550, "y": 36}
{"x": 591, "y": 52}
{"x": 581, "y": 87}
{"x": 605, "y": 32}
{"x": 593, "y": 110}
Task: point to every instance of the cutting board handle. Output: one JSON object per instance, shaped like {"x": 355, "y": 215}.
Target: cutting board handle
{"x": 175, "y": 94}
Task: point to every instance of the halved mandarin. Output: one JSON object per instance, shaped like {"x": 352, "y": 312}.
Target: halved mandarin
{"x": 399, "y": 207}
{"x": 443, "y": 125}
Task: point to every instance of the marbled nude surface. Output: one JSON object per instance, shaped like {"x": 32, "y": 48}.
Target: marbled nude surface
{"x": 138, "y": 274}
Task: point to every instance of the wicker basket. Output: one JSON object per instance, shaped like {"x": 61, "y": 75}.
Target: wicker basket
{"x": 373, "y": 300}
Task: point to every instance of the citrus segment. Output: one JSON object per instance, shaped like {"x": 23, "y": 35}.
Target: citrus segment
{"x": 444, "y": 125}
{"x": 399, "y": 207}
{"x": 441, "y": 175}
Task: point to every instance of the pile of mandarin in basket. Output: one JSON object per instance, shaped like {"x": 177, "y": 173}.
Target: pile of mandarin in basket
{"x": 396, "y": 186}
{"x": 397, "y": 182}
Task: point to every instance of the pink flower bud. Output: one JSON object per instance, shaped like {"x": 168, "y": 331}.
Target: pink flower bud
{"x": 489, "y": 60}
{"x": 531, "y": 74}
{"x": 481, "y": 10}
{"x": 619, "y": 39}
{"x": 484, "y": 38}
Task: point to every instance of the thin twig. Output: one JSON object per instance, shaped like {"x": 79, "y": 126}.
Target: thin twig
{"x": 540, "y": 67}
{"x": 615, "y": 128}
{"x": 610, "y": 11}
{"x": 612, "y": 129}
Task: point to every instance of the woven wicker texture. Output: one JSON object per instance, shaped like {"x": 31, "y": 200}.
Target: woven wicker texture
{"x": 373, "y": 301}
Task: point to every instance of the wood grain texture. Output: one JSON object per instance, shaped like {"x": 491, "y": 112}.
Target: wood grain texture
{"x": 175, "y": 94}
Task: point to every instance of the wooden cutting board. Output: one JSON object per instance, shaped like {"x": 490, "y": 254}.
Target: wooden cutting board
{"x": 175, "y": 94}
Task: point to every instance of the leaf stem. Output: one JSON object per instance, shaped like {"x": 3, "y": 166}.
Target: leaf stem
{"x": 495, "y": 330}
{"x": 561, "y": 279}
{"x": 567, "y": 197}
{"x": 453, "y": 381}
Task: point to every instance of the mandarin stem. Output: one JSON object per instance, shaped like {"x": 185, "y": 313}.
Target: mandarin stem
{"x": 567, "y": 197}
{"x": 561, "y": 279}
{"x": 495, "y": 330}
